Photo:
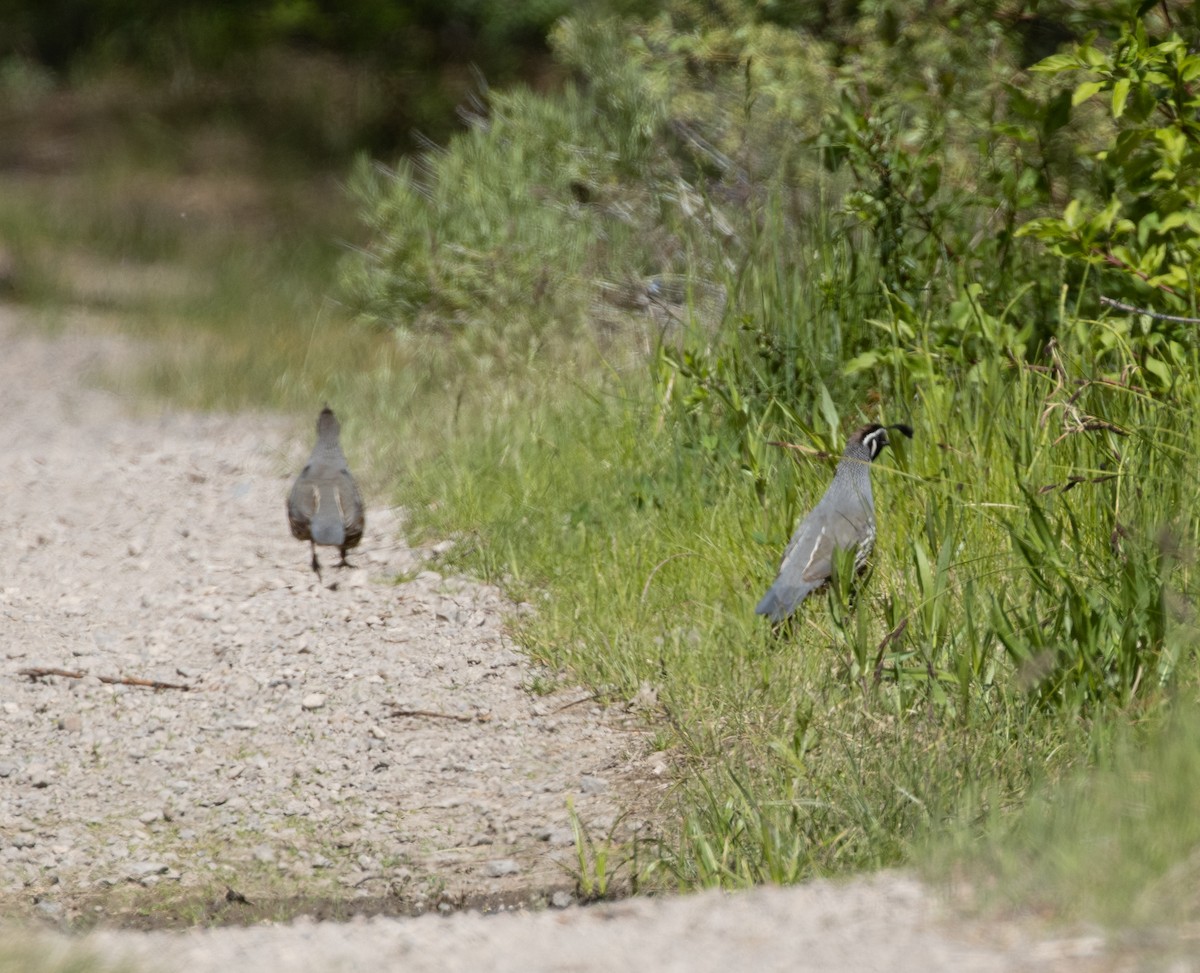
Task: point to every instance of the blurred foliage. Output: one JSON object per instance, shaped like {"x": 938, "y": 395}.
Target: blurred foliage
{"x": 410, "y": 63}
{"x": 695, "y": 152}
{"x": 1136, "y": 223}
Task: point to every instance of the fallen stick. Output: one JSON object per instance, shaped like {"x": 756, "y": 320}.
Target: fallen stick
{"x": 37, "y": 672}
{"x": 434, "y": 714}
{"x": 575, "y": 702}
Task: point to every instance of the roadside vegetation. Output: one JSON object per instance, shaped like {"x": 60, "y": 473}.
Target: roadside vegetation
{"x": 609, "y": 336}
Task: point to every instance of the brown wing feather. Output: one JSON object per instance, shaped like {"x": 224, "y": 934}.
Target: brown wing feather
{"x": 351, "y": 505}
{"x": 301, "y": 506}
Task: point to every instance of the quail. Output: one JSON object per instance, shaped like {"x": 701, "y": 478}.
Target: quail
{"x": 324, "y": 506}
{"x": 843, "y": 519}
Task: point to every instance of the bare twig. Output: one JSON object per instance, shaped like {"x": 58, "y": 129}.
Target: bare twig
{"x": 1074, "y": 481}
{"x": 1131, "y": 309}
{"x": 37, "y": 672}
{"x": 148, "y": 683}
{"x": 398, "y": 712}
{"x": 576, "y": 702}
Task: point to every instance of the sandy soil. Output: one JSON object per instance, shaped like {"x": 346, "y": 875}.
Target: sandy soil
{"x": 281, "y": 783}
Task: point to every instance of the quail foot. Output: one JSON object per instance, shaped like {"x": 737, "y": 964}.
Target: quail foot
{"x": 324, "y": 506}
{"x": 843, "y": 519}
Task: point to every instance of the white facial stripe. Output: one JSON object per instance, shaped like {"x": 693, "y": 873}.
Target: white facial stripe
{"x": 875, "y": 441}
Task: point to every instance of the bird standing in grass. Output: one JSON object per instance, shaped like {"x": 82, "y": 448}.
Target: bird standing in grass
{"x": 844, "y": 519}
{"x": 324, "y": 506}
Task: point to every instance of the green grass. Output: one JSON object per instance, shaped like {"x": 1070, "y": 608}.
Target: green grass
{"x": 1116, "y": 844}
{"x": 1036, "y": 575}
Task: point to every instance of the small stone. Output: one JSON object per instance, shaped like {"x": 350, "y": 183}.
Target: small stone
{"x": 23, "y": 840}
{"x": 500, "y": 868}
{"x": 592, "y": 785}
{"x": 560, "y": 899}
{"x": 313, "y": 701}
{"x": 49, "y": 909}
{"x": 149, "y": 817}
{"x": 39, "y": 775}
{"x": 72, "y": 723}
{"x": 138, "y": 871}
{"x": 7, "y": 769}
{"x": 264, "y": 854}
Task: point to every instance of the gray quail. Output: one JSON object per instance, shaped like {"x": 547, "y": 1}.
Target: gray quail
{"x": 843, "y": 519}
{"x": 324, "y": 506}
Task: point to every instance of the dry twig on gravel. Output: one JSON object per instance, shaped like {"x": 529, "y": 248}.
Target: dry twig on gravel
{"x": 37, "y": 672}
{"x": 400, "y": 711}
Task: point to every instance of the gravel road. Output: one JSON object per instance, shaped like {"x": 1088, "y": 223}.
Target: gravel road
{"x": 281, "y": 783}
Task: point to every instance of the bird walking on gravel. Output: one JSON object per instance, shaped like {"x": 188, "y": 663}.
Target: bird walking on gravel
{"x": 324, "y": 506}
{"x": 843, "y": 519}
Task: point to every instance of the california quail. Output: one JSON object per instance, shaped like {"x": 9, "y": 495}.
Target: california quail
{"x": 844, "y": 518}
{"x": 324, "y": 506}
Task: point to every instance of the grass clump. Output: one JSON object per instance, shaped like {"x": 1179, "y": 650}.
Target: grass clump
{"x": 1116, "y": 844}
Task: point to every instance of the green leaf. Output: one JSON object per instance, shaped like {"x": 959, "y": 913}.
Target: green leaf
{"x": 828, "y": 410}
{"x": 1085, "y": 91}
{"x": 1120, "y": 93}
{"x": 861, "y": 363}
{"x": 1160, "y": 369}
{"x": 1057, "y": 62}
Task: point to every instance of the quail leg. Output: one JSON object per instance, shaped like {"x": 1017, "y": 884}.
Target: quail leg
{"x": 316, "y": 565}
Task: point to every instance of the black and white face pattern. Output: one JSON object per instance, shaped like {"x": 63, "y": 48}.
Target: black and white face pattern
{"x": 875, "y": 437}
